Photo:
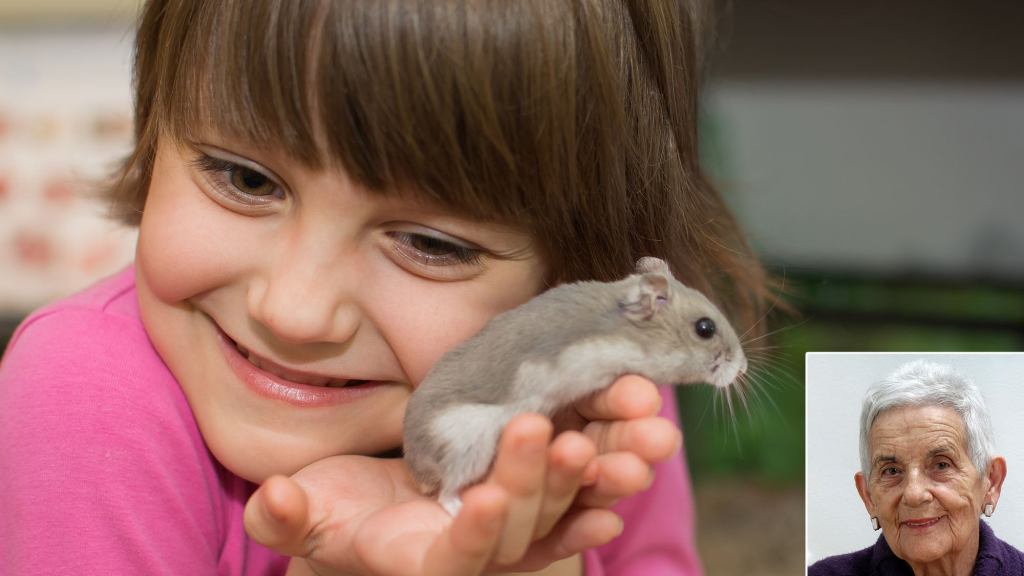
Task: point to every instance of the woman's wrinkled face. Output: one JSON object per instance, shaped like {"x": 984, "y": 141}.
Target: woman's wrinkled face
{"x": 297, "y": 310}
{"x": 923, "y": 487}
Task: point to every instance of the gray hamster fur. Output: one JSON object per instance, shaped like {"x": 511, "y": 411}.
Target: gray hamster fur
{"x": 559, "y": 347}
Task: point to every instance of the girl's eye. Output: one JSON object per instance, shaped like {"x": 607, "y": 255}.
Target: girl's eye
{"x": 251, "y": 182}
{"x": 241, "y": 184}
{"x": 439, "y": 256}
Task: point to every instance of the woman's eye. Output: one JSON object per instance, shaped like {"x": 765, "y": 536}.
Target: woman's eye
{"x": 238, "y": 183}
{"x": 890, "y": 471}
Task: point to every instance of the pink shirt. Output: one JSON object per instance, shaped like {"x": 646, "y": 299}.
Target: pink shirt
{"x": 103, "y": 469}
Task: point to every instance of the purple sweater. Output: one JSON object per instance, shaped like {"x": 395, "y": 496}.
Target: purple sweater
{"x": 995, "y": 558}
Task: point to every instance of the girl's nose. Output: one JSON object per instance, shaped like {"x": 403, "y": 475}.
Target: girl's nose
{"x": 300, "y": 301}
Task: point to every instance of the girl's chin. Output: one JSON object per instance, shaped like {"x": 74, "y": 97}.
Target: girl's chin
{"x": 261, "y": 452}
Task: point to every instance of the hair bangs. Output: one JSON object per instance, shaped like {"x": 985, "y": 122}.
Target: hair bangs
{"x": 431, "y": 97}
{"x": 421, "y": 98}
{"x": 250, "y": 86}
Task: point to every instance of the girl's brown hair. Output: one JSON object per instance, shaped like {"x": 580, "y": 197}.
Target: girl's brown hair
{"x": 574, "y": 119}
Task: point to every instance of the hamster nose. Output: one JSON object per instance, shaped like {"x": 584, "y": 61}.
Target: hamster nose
{"x": 304, "y": 311}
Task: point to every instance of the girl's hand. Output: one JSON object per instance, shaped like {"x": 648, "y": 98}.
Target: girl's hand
{"x": 544, "y": 500}
{"x": 620, "y": 425}
{"x": 359, "y": 515}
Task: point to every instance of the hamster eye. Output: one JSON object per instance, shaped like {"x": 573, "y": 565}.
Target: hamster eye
{"x": 705, "y": 328}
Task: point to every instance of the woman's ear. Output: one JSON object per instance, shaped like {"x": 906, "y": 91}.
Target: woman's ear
{"x": 996, "y": 474}
{"x": 865, "y": 496}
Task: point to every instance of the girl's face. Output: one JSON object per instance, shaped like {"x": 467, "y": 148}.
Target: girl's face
{"x": 298, "y": 310}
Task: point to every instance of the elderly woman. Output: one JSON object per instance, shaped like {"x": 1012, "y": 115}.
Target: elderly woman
{"x": 927, "y": 475}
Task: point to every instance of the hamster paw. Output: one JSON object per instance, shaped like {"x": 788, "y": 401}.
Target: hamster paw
{"x": 451, "y": 504}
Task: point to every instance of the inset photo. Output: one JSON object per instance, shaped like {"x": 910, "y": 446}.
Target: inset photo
{"x": 915, "y": 463}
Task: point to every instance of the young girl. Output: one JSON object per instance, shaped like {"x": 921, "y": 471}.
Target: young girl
{"x": 330, "y": 195}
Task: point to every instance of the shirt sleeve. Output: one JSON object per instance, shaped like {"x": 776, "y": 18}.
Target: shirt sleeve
{"x": 102, "y": 469}
{"x": 658, "y": 536}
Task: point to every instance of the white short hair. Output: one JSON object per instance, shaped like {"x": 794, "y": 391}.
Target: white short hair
{"x": 922, "y": 383}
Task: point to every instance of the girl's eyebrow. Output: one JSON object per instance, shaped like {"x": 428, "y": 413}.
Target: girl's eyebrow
{"x": 227, "y": 145}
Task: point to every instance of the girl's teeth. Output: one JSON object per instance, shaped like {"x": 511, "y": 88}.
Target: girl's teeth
{"x": 311, "y": 381}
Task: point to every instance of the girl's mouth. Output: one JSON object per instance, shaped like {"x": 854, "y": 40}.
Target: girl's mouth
{"x": 292, "y": 375}
{"x": 302, "y": 389}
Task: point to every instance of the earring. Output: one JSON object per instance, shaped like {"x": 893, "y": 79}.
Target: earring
{"x": 989, "y": 509}
{"x": 874, "y": 523}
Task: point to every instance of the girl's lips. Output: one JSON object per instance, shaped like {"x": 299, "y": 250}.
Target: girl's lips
{"x": 270, "y": 385}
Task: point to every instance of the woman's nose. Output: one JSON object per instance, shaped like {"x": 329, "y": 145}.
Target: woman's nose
{"x": 302, "y": 301}
{"x": 917, "y": 490}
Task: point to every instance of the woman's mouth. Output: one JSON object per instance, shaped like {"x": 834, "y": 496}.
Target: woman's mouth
{"x": 921, "y": 523}
{"x": 302, "y": 389}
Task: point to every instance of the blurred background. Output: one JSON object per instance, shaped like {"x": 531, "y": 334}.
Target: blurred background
{"x": 871, "y": 149}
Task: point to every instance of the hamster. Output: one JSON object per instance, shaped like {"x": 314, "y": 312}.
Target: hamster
{"x": 568, "y": 342}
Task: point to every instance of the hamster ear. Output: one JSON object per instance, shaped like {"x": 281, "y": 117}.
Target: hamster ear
{"x": 645, "y": 297}
{"x": 650, "y": 264}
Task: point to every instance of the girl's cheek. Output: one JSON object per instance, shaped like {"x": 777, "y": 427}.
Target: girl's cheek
{"x": 185, "y": 238}
{"x": 422, "y": 329}
{"x": 166, "y": 254}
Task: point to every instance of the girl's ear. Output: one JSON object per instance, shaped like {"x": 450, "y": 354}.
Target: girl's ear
{"x": 645, "y": 297}
{"x": 649, "y": 264}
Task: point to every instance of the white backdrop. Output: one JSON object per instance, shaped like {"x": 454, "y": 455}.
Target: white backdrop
{"x": 837, "y": 522}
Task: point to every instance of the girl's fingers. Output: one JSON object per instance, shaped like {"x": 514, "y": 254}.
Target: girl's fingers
{"x": 277, "y": 516}
{"x": 568, "y": 458}
{"x": 630, "y": 396}
{"x": 621, "y": 474}
{"x": 653, "y": 439}
{"x": 469, "y": 543}
{"x": 578, "y": 531}
{"x": 520, "y": 469}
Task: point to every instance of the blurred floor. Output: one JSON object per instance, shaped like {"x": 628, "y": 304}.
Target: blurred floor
{"x": 745, "y": 528}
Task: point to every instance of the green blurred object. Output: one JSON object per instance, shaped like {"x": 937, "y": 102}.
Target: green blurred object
{"x": 838, "y": 311}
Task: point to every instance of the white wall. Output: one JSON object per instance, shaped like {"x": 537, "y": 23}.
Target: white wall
{"x": 837, "y": 522}
{"x": 881, "y": 175}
